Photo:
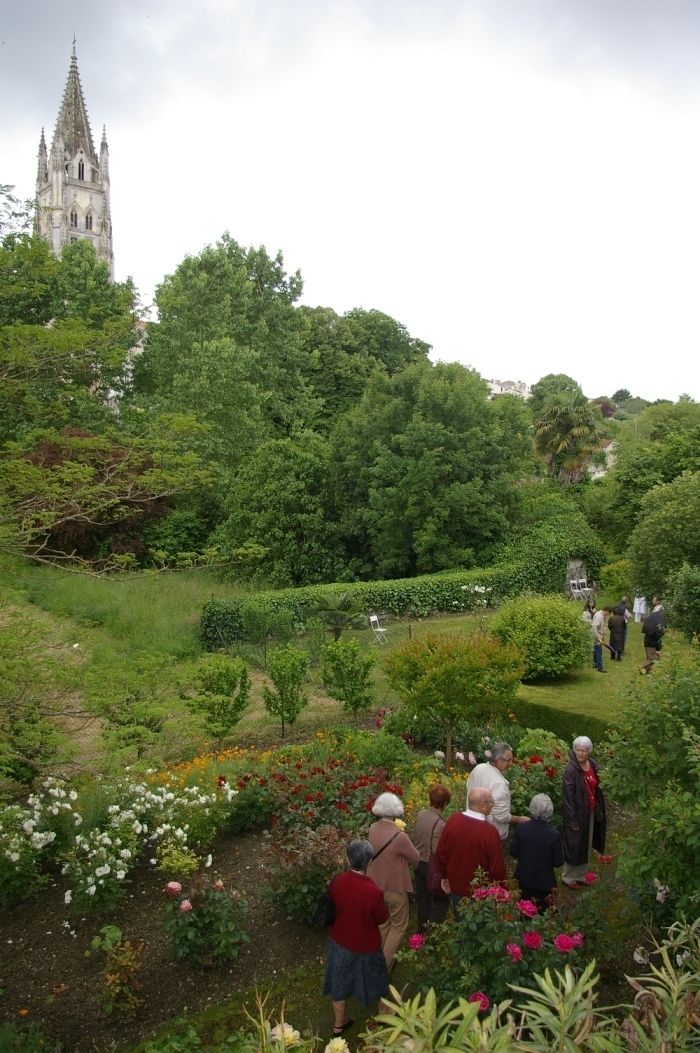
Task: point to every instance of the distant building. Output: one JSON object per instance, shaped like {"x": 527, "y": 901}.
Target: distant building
{"x": 72, "y": 182}
{"x": 509, "y": 387}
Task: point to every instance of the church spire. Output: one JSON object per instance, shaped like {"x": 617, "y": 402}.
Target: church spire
{"x": 72, "y": 124}
{"x": 72, "y": 193}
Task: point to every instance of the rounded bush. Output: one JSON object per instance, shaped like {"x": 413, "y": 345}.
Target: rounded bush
{"x": 549, "y": 631}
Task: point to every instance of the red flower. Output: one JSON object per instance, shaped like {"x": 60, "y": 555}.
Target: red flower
{"x": 221, "y": 780}
{"x": 577, "y": 939}
{"x": 341, "y": 806}
{"x": 527, "y": 908}
{"x": 532, "y": 940}
{"x": 515, "y": 951}
{"x": 550, "y": 772}
{"x": 502, "y": 895}
{"x": 482, "y": 999}
{"x": 535, "y": 759}
{"x": 591, "y": 877}
{"x": 605, "y": 859}
{"x": 564, "y": 943}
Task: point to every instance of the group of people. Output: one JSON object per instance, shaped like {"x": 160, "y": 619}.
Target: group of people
{"x": 371, "y": 897}
{"x": 654, "y": 624}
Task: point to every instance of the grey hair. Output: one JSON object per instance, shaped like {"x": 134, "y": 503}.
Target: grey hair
{"x": 387, "y": 806}
{"x": 541, "y": 806}
{"x": 582, "y": 742}
{"x": 499, "y": 751}
{"x": 359, "y": 854}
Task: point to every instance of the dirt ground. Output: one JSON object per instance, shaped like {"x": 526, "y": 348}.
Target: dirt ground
{"x": 48, "y": 979}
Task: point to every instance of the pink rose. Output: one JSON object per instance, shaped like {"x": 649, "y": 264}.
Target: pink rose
{"x": 482, "y": 999}
{"x": 480, "y": 893}
{"x": 577, "y": 939}
{"x": 591, "y": 877}
{"x": 416, "y": 941}
{"x": 515, "y": 951}
{"x": 564, "y": 943}
{"x": 173, "y": 888}
{"x": 532, "y": 940}
{"x": 492, "y": 890}
{"x": 527, "y": 908}
{"x": 185, "y": 906}
{"x": 502, "y": 895}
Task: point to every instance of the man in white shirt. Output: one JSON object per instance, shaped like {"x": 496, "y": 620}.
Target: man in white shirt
{"x": 491, "y": 776}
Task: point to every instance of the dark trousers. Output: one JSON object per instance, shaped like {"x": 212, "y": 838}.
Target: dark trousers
{"x": 428, "y": 908}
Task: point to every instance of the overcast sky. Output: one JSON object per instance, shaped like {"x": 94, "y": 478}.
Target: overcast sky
{"x": 517, "y": 181}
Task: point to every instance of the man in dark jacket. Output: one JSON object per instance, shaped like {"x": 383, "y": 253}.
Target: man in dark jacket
{"x": 653, "y": 628}
{"x": 537, "y": 847}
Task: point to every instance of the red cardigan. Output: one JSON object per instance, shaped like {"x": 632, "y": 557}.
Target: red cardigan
{"x": 359, "y": 911}
{"x": 465, "y": 845}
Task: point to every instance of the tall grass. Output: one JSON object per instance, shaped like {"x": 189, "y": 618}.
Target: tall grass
{"x": 153, "y": 612}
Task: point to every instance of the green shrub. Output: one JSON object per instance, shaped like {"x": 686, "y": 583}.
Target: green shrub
{"x": 549, "y": 631}
{"x": 347, "y": 675}
{"x": 564, "y": 724}
{"x": 655, "y": 764}
{"x": 224, "y": 692}
{"x": 288, "y": 667}
{"x": 539, "y": 560}
{"x": 616, "y": 580}
{"x": 452, "y": 678}
{"x": 206, "y": 925}
{"x": 683, "y": 600}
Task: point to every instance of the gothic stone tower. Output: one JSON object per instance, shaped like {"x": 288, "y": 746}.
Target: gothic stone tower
{"x": 72, "y": 183}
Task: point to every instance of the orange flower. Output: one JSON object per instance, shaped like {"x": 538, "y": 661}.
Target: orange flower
{"x": 23, "y": 1012}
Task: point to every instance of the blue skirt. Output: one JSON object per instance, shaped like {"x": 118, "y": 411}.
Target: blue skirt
{"x": 362, "y": 976}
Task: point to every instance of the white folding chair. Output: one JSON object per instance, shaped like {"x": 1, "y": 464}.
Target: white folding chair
{"x": 584, "y": 588}
{"x": 574, "y": 587}
{"x": 379, "y": 633}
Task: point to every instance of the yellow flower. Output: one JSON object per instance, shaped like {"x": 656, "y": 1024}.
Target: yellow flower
{"x": 400, "y": 823}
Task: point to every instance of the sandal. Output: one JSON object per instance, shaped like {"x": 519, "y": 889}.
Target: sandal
{"x": 337, "y": 1031}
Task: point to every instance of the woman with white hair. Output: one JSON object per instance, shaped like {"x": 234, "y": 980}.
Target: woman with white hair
{"x": 537, "y": 847}
{"x": 584, "y": 812}
{"x": 394, "y": 852}
{"x": 355, "y": 965}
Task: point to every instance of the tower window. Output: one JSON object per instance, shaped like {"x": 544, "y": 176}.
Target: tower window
{"x": 74, "y": 219}
{"x": 88, "y": 222}
{"x": 81, "y": 169}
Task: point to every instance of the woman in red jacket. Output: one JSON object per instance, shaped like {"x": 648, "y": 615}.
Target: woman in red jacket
{"x": 355, "y": 964}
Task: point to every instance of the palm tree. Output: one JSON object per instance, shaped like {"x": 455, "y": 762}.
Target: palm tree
{"x": 339, "y": 611}
{"x": 567, "y": 432}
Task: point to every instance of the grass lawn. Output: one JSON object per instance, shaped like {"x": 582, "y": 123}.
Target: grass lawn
{"x": 119, "y": 621}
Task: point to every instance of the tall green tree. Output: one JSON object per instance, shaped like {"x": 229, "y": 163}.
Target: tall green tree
{"x": 666, "y": 535}
{"x": 657, "y": 446}
{"x": 549, "y": 386}
{"x": 279, "y": 501}
{"x": 423, "y": 470}
{"x": 344, "y": 351}
{"x": 245, "y": 297}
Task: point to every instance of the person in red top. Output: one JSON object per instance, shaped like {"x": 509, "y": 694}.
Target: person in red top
{"x": 468, "y": 843}
{"x": 355, "y": 964}
{"x": 583, "y": 805}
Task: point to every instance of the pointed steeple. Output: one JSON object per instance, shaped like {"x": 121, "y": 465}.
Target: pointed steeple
{"x": 42, "y": 167}
{"x": 72, "y": 125}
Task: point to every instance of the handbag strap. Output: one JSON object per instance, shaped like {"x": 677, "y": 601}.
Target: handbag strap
{"x": 376, "y": 854}
{"x": 432, "y": 834}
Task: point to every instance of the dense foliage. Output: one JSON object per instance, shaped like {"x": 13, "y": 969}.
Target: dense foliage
{"x": 548, "y": 630}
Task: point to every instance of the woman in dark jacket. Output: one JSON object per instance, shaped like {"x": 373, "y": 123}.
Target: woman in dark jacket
{"x": 616, "y": 628}
{"x": 355, "y": 964}
{"x": 537, "y": 847}
{"x": 584, "y": 812}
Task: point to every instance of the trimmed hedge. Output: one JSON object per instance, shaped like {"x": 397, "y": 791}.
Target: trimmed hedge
{"x": 221, "y": 622}
{"x": 564, "y": 724}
